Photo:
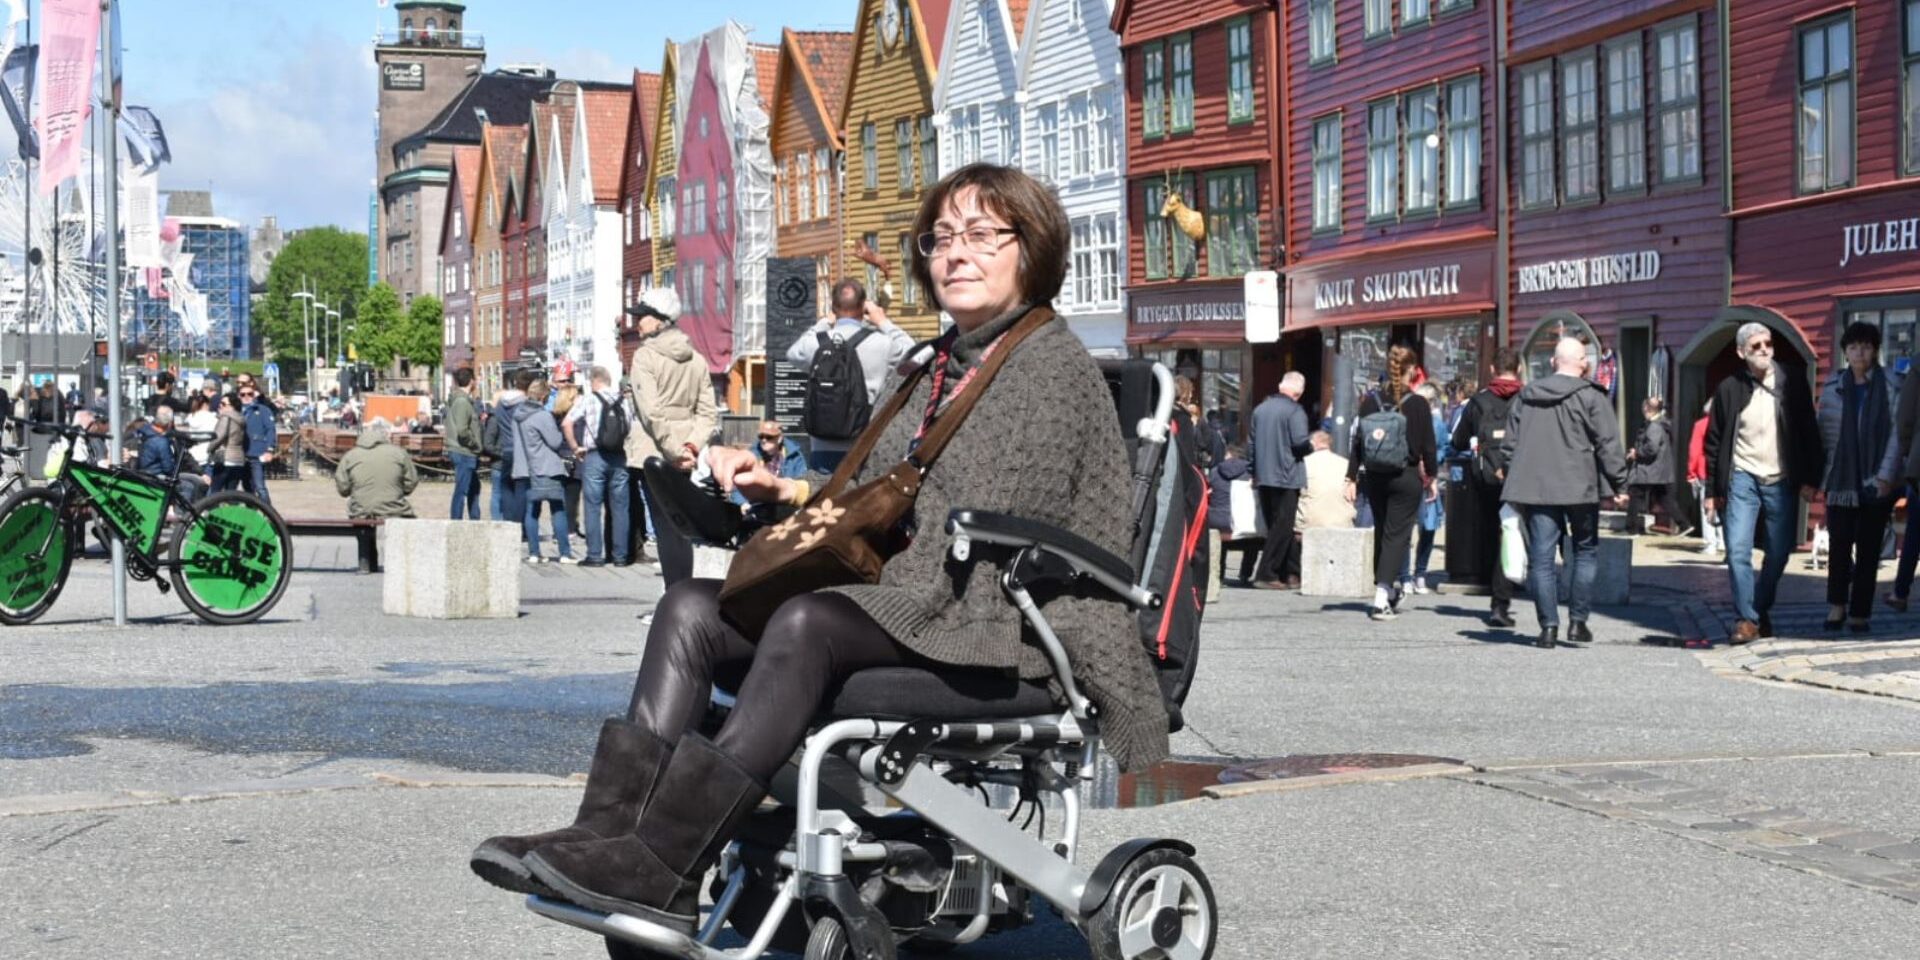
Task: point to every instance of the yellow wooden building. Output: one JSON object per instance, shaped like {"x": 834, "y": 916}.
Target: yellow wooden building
{"x": 887, "y": 122}
{"x": 663, "y": 187}
{"x": 807, "y": 151}
{"x": 500, "y": 149}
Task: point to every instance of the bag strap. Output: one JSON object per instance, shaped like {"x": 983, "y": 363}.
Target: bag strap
{"x": 946, "y": 424}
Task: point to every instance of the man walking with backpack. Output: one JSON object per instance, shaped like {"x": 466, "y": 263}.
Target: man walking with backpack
{"x": 1482, "y": 429}
{"x": 1279, "y": 440}
{"x": 597, "y": 427}
{"x": 1563, "y": 455}
{"x": 846, "y": 366}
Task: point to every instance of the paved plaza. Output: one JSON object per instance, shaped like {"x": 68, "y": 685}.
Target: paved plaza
{"x": 310, "y": 785}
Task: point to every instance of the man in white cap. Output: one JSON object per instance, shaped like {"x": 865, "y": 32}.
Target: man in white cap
{"x": 675, "y": 411}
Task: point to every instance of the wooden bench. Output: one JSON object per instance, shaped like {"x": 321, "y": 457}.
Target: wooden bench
{"x": 364, "y": 531}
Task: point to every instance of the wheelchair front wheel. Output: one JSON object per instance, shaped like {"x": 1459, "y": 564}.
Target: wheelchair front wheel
{"x": 828, "y": 941}
{"x": 1161, "y": 907}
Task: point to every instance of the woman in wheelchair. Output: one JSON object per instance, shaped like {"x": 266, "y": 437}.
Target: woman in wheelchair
{"x": 661, "y": 800}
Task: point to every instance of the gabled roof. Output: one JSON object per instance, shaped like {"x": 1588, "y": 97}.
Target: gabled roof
{"x": 552, "y": 136}
{"x": 640, "y": 112}
{"x": 606, "y": 114}
{"x": 502, "y": 148}
{"x": 466, "y": 168}
{"x": 1013, "y": 22}
{"x": 666, "y": 122}
{"x": 930, "y": 33}
{"x": 766, "y": 70}
{"x": 815, "y": 65}
{"x": 504, "y": 98}
{"x": 1030, "y": 36}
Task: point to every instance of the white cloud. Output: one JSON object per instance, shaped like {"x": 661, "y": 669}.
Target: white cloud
{"x": 296, "y": 142}
{"x": 576, "y": 63}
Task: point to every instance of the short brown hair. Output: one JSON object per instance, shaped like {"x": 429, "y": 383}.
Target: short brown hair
{"x": 1027, "y": 205}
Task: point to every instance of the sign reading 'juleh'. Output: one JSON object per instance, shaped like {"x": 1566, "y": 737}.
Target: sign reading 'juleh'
{"x": 1874, "y": 239}
{"x": 1602, "y": 271}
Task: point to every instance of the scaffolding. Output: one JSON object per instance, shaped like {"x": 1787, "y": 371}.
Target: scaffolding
{"x": 221, "y": 261}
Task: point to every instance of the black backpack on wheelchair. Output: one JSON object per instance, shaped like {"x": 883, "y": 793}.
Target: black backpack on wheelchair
{"x": 881, "y": 837}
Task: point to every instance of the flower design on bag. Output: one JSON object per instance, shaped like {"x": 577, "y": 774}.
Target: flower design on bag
{"x": 784, "y": 528}
{"x": 825, "y": 514}
{"x": 808, "y": 539}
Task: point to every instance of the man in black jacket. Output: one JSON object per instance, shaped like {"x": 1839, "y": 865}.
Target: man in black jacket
{"x": 1481, "y": 429}
{"x": 1279, "y": 440}
{"x": 1763, "y": 444}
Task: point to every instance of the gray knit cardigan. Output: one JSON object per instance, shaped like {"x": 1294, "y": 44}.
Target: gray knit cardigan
{"x": 1043, "y": 443}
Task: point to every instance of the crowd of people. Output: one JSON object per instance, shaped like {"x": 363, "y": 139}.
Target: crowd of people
{"x": 1550, "y": 452}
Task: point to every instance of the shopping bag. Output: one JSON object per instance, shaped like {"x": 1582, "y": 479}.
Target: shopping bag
{"x": 1247, "y": 519}
{"x": 1513, "y": 545}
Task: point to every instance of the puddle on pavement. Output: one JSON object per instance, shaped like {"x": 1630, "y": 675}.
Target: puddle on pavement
{"x": 1183, "y": 778}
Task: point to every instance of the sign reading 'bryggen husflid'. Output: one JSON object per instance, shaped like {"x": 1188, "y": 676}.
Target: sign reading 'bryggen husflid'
{"x": 1604, "y": 270}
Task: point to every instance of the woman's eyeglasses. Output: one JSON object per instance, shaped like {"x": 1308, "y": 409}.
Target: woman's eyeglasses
{"x": 976, "y": 239}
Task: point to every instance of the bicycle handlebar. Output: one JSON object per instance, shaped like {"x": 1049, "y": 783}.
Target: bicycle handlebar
{"x": 56, "y": 429}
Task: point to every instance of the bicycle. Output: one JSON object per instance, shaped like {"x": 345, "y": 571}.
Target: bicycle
{"x": 229, "y": 557}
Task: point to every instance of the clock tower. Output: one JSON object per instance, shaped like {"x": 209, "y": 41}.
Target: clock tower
{"x": 426, "y": 61}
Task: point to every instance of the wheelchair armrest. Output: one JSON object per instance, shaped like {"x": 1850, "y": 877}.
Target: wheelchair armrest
{"x": 1079, "y": 553}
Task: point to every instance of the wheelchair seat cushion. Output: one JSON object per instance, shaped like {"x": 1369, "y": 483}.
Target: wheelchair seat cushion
{"x": 912, "y": 693}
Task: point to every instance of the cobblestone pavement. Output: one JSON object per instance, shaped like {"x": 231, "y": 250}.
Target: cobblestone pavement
{"x": 1783, "y": 836}
{"x": 1885, "y": 668}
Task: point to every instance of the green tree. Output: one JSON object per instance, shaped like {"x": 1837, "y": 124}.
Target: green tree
{"x": 329, "y": 262}
{"x": 377, "y": 325}
{"x": 419, "y": 338}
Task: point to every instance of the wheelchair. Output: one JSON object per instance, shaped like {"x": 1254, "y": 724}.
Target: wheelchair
{"x": 820, "y": 872}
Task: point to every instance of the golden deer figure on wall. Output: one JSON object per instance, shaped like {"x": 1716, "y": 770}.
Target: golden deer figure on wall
{"x": 1186, "y": 218}
{"x": 872, "y": 258}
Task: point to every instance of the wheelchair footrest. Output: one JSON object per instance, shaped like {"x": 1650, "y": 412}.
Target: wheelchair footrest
{"x": 668, "y": 943}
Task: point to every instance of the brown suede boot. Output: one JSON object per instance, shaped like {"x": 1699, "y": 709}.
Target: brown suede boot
{"x": 626, "y": 765}
{"x": 654, "y": 873}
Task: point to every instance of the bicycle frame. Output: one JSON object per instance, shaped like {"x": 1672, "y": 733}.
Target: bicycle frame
{"x": 133, "y": 506}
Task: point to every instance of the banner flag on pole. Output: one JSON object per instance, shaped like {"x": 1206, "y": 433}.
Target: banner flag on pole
{"x": 67, "y": 51}
{"x": 146, "y": 141}
{"x": 16, "y": 88}
{"x": 140, "y": 218}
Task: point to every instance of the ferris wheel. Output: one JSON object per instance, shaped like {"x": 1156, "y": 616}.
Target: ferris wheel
{"x": 68, "y": 286}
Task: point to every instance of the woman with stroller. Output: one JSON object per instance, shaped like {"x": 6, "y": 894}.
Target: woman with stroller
{"x": 661, "y": 799}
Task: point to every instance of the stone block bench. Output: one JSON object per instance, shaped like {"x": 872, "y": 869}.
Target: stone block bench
{"x": 452, "y": 569}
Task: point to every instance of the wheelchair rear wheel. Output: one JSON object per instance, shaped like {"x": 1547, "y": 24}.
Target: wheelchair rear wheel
{"x": 1161, "y": 907}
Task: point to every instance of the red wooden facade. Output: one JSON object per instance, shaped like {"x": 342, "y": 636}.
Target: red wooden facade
{"x": 1638, "y": 264}
{"x": 1415, "y": 272}
{"x": 1187, "y": 308}
{"x": 636, "y": 251}
{"x": 1815, "y": 245}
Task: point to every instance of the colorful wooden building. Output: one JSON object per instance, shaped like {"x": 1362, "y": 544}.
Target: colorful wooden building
{"x": 636, "y": 251}
{"x": 500, "y": 149}
{"x": 584, "y": 238}
{"x": 1204, "y": 121}
{"x": 1072, "y": 132}
{"x": 1616, "y": 193}
{"x": 1392, "y": 232}
{"x": 456, "y": 259}
{"x": 662, "y": 189}
{"x": 892, "y": 152}
{"x": 809, "y": 90}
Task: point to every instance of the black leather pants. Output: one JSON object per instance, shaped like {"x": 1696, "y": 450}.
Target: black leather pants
{"x": 810, "y": 643}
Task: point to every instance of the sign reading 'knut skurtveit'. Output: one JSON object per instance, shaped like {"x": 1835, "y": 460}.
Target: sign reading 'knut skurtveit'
{"x": 1579, "y": 273}
{"x": 1390, "y": 285}
{"x": 1882, "y": 237}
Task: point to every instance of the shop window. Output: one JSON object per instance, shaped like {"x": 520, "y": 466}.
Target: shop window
{"x": 1626, "y": 116}
{"x": 1463, "y": 143}
{"x": 1826, "y": 105}
{"x": 1379, "y": 17}
{"x": 1910, "y": 88}
{"x": 1677, "y": 103}
{"x": 1536, "y": 135}
{"x": 1240, "y": 71}
{"x": 1321, "y": 45}
{"x": 903, "y": 154}
{"x": 1538, "y": 354}
{"x": 1579, "y": 128}
{"x": 1365, "y": 347}
{"x": 1180, "y": 51}
{"x": 1326, "y": 174}
{"x": 1423, "y": 151}
{"x": 1450, "y": 351}
{"x": 1169, "y": 252}
{"x": 1895, "y": 318}
{"x": 869, "y": 157}
{"x": 1216, "y": 379}
{"x": 1233, "y": 222}
{"x": 1383, "y": 159}
{"x": 1153, "y": 99}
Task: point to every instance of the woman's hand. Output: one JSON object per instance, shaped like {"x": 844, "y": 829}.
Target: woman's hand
{"x": 742, "y": 471}
{"x": 1352, "y": 491}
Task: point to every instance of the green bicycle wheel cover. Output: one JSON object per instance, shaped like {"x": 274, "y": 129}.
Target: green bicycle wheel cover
{"x": 25, "y": 578}
{"x": 231, "y": 557}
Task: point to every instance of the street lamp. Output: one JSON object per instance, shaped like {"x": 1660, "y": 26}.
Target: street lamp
{"x": 333, "y": 324}
{"x": 306, "y": 325}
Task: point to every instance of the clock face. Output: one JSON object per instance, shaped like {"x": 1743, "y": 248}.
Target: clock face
{"x": 890, "y": 23}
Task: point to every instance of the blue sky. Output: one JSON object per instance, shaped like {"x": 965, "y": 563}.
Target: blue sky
{"x": 270, "y": 102}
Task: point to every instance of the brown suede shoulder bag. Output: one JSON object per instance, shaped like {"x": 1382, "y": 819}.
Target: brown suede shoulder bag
{"x": 845, "y": 534}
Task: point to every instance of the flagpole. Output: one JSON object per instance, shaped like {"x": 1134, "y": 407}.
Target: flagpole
{"x": 27, "y": 201}
{"x": 110, "y": 101}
